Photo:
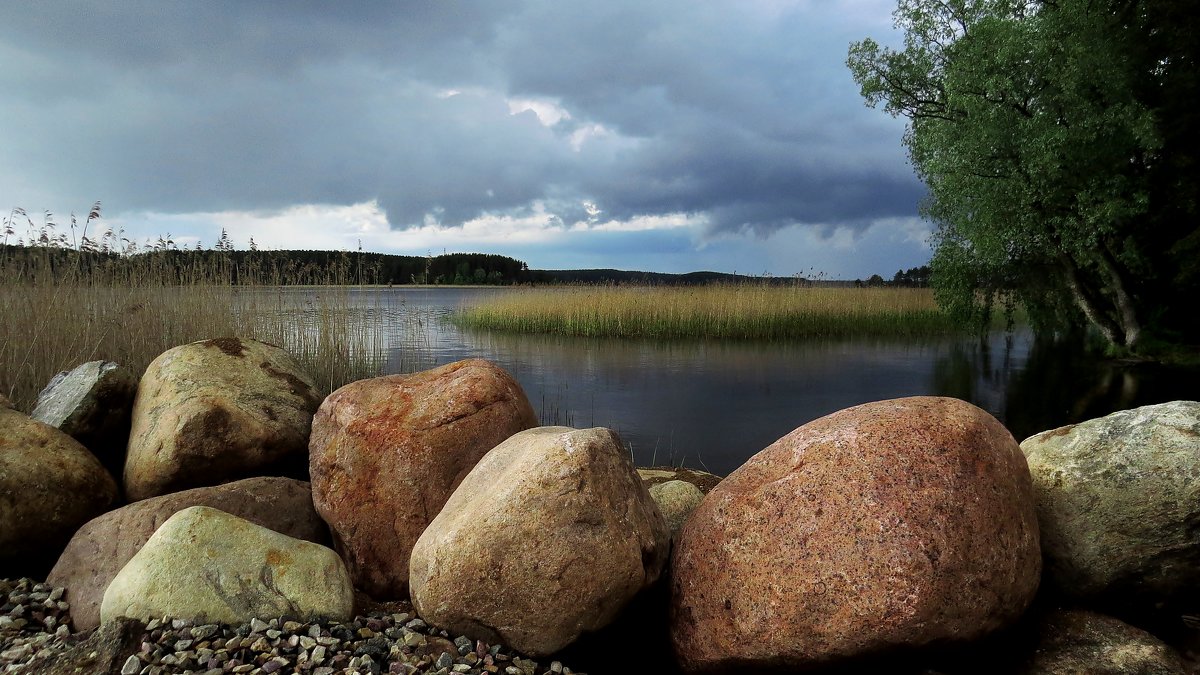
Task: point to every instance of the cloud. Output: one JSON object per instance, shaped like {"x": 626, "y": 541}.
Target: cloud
{"x": 729, "y": 117}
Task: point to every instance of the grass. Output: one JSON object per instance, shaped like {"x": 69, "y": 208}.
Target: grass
{"x": 58, "y": 314}
{"x": 734, "y": 311}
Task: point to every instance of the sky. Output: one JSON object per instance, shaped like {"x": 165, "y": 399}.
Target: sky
{"x": 661, "y": 135}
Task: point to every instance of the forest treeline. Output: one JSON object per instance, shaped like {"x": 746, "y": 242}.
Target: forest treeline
{"x": 285, "y": 268}
{"x": 271, "y": 267}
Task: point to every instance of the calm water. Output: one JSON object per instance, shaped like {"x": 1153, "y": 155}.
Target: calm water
{"x": 711, "y": 405}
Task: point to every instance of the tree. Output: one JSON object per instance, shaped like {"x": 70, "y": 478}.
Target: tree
{"x": 1040, "y": 129}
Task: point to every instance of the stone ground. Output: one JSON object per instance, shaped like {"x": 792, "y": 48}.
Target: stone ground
{"x": 35, "y": 637}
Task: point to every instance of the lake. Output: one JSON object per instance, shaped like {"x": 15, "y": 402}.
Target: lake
{"x": 712, "y": 404}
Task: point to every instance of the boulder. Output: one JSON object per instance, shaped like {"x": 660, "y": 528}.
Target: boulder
{"x": 676, "y": 500}
{"x": 1075, "y": 641}
{"x": 105, "y": 544}
{"x": 49, "y": 486}
{"x": 214, "y": 411}
{"x": 210, "y": 567}
{"x": 386, "y": 453}
{"x": 92, "y": 404}
{"x": 888, "y": 525}
{"x": 661, "y": 474}
{"x": 550, "y": 535}
{"x": 1118, "y": 500}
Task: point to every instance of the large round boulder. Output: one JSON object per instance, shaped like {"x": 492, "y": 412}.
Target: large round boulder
{"x": 214, "y": 411}
{"x": 888, "y": 525}
{"x": 205, "y": 565}
{"x": 92, "y": 404}
{"x": 49, "y": 486}
{"x": 550, "y": 535}
{"x": 386, "y": 453}
{"x": 1118, "y": 500}
{"x": 105, "y": 544}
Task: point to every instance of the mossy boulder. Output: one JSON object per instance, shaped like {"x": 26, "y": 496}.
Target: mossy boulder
{"x": 218, "y": 410}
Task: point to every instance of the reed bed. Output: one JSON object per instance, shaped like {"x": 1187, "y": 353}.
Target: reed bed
{"x": 725, "y": 311}
{"x": 56, "y": 316}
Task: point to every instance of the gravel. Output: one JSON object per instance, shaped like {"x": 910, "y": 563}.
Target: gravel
{"x": 35, "y": 623}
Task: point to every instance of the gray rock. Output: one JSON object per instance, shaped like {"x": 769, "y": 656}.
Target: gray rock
{"x": 549, "y": 536}
{"x": 92, "y": 404}
{"x": 207, "y": 565}
{"x": 1074, "y": 641}
{"x": 1118, "y": 501}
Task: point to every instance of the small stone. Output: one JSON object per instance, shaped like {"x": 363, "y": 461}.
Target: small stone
{"x": 527, "y": 665}
{"x": 414, "y": 639}
{"x": 556, "y": 667}
{"x": 318, "y": 654}
{"x": 271, "y": 666}
{"x": 261, "y": 645}
{"x": 416, "y": 624}
{"x": 132, "y": 666}
{"x": 324, "y": 670}
{"x": 245, "y": 668}
{"x": 258, "y": 626}
{"x": 513, "y": 670}
{"x": 306, "y": 642}
{"x": 273, "y": 634}
{"x": 183, "y": 645}
{"x": 314, "y": 631}
{"x": 401, "y": 618}
{"x": 292, "y": 626}
{"x": 180, "y": 624}
{"x": 444, "y": 660}
{"x": 461, "y": 668}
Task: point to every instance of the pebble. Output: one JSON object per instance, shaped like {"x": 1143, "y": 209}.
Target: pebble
{"x": 379, "y": 643}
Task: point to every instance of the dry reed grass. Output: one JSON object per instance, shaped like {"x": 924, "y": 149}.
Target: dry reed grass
{"x": 54, "y": 318}
{"x": 741, "y": 311}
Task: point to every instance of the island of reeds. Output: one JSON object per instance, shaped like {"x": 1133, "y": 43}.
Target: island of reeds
{"x": 721, "y": 311}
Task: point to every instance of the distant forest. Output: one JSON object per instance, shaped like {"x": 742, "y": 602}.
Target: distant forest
{"x": 357, "y": 267}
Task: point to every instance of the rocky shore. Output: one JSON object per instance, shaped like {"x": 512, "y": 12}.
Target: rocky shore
{"x": 35, "y": 637}
{"x": 425, "y": 523}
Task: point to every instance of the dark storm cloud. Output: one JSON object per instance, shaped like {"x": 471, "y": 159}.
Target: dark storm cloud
{"x": 731, "y": 110}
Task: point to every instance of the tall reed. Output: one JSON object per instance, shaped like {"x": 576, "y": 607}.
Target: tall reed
{"x": 59, "y": 309}
{"x": 741, "y": 311}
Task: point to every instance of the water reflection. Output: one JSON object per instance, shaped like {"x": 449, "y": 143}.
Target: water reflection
{"x": 710, "y": 405}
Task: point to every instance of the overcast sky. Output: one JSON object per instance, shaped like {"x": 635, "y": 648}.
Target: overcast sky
{"x": 646, "y": 134}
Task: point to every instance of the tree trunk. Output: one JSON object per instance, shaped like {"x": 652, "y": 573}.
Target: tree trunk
{"x": 1126, "y": 307}
{"x": 1090, "y": 305}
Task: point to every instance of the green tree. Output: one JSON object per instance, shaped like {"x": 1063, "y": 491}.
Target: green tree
{"x": 1040, "y": 129}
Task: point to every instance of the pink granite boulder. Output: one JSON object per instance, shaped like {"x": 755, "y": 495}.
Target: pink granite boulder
{"x": 888, "y": 525}
{"x": 386, "y": 453}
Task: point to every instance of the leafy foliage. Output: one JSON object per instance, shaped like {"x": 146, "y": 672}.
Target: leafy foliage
{"x": 1047, "y": 135}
